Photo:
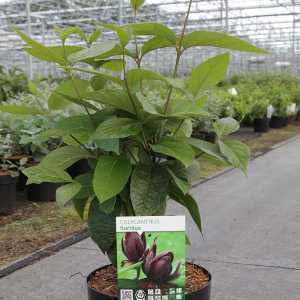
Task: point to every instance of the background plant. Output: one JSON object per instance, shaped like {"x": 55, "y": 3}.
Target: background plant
{"x": 139, "y": 154}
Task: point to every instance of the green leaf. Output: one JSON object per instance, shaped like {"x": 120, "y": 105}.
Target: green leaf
{"x": 94, "y": 36}
{"x": 237, "y": 153}
{"x": 64, "y": 157}
{"x": 156, "y": 43}
{"x": 115, "y": 65}
{"x": 40, "y": 173}
{"x": 136, "y": 4}
{"x": 109, "y": 145}
{"x": 190, "y": 203}
{"x": 102, "y": 227}
{"x": 80, "y": 206}
{"x": 183, "y": 185}
{"x": 181, "y": 108}
{"x": 226, "y": 126}
{"x": 111, "y": 175}
{"x": 40, "y": 51}
{"x": 155, "y": 29}
{"x": 66, "y": 193}
{"x": 18, "y": 109}
{"x": 108, "y": 206}
{"x": 208, "y": 74}
{"x": 218, "y": 39}
{"x": 122, "y": 32}
{"x": 148, "y": 189}
{"x": 92, "y": 52}
{"x": 73, "y": 88}
{"x": 75, "y": 125}
{"x": 84, "y": 195}
{"x": 115, "y": 98}
{"x": 208, "y": 148}
{"x": 65, "y": 33}
{"x": 134, "y": 76}
{"x": 117, "y": 128}
{"x": 175, "y": 147}
{"x": 98, "y": 82}
{"x": 85, "y": 181}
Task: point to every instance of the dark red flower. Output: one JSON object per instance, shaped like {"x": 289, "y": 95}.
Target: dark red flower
{"x": 159, "y": 269}
{"x": 134, "y": 246}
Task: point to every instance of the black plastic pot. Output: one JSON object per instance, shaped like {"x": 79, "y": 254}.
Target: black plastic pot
{"x": 79, "y": 168}
{"x": 8, "y": 194}
{"x": 43, "y": 192}
{"x": 202, "y": 294}
{"x": 21, "y": 183}
{"x": 205, "y": 135}
{"x": 261, "y": 125}
{"x": 278, "y": 122}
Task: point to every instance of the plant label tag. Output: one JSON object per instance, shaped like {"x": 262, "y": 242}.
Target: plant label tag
{"x": 270, "y": 111}
{"x": 151, "y": 257}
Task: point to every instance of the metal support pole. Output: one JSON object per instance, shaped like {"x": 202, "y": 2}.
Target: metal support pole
{"x": 121, "y": 11}
{"x": 294, "y": 38}
{"x": 221, "y": 14}
{"x": 226, "y": 16}
{"x": 28, "y": 17}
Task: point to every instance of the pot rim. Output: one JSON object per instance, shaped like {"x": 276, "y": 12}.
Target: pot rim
{"x": 112, "y": 297}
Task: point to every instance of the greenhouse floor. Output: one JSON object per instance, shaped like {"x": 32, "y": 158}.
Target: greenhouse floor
{"x": 251, "y": 239}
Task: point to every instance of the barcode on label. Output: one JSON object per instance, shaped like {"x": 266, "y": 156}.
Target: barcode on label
{"x": 126, "y": 294}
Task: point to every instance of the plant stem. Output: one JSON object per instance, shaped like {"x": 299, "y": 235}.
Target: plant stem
{"x": 127, "y": 86}
{"x": 82, "y": 145}
{"x": 138, "y": 59}
{"x": 179, "y": 52}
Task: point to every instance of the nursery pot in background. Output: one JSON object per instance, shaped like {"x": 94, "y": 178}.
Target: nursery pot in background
{"x": 43, "y": 192}
{"x": 261, "y": 125}
{"x": 21, "y": 182}
{"x": 208, "y": 136}
{"x": 7, "y": 194}
{"x": 278, "y": 122}
{"x": 202, "y": 293}
{"x": 79, "y": 168}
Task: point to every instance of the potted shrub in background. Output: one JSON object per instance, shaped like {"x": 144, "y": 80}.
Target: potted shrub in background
{"x": 259, "y": 111}
{"x": 139, "y": 149}
{"x": 280, "y": 102}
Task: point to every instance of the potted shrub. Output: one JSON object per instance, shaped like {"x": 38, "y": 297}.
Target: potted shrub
{"x": 9, "y": 172}
{"x": 29, "y": 118}
{"x": 215, "y": 105}
{"x": 8, "y": 181}
{"x": 139, "y": 148}
{"x": 259, "y": 112}
{"x": 280, "y": 102}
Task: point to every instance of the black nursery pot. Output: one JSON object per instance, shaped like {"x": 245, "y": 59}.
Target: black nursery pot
{"x": 8, "y": 187}
{"x": 202, "y": 294}
{"x": 261, "y": 125}
{"x": 79, "y": 168}
{"x": 21, "y": 182}
{"x": 43, "y": 192}
{"x": 278, "y": 122}
{"x": 205, "y": 135}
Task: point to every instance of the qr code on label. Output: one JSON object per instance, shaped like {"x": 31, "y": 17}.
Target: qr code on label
{"x": 126, "y": 294}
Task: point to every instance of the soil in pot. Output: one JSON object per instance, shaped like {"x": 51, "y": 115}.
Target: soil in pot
{"x": 7, "y": 193}
{"x": 43, "y": 192}
{"x": 278, "y": 122}
{"x": 261, "y": 125}
{"x": 102, "y": 284}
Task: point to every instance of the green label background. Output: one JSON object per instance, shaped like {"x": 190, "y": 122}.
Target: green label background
{"x": 166, "y": 241}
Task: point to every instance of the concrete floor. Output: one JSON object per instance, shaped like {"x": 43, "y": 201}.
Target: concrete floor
{"x": 251, "y": 239}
